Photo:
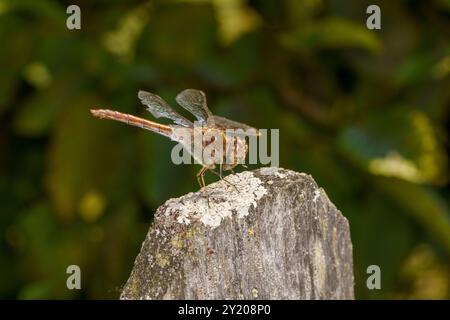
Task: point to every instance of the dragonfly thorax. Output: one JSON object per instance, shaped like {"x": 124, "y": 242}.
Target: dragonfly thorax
{"x": 238, "y": 152}
{"x": 212, "y": 146}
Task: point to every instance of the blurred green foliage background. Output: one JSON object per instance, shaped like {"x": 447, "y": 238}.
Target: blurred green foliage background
{"x": 366, "y": 113}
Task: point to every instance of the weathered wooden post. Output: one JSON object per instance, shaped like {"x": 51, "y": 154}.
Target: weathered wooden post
{"x": 277, "y": 237}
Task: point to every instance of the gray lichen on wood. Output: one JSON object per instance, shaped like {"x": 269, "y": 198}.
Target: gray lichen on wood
{"x": 266, "y": 234}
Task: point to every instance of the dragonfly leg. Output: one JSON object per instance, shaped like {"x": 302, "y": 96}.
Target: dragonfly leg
{"x": 200, "y": 177}
{"x": 203, "y": 177}
{"x": 221, "y": 178}
{"x": 201, "y": 182}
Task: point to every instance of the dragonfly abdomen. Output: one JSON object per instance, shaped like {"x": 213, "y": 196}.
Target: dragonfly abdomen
{"x": 133, "y": 120}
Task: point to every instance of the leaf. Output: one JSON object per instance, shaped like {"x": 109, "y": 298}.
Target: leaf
{"x": 443, "y": 4}
{"x": 423, "y": 204}
{"x": 121, "y": 41}
{"x": 36, "y": 291}
{"x": 46, "y": 10}
{"x": 36, "y": 115}
{"x": 167, "y": 40}
{"x": 332, "y": 33}
{"x": 235, "y": 19}
{"x": 83, "y": 156}
{"x": 376, "y": 242}
{"x": 237, "y": 65}
{"x": 159, "y": 177}
{"x": 39, "y": 111}
{"x": 416, "y": 68}
{"x": 399, "y": 143}
{"x": 302, "y": 11}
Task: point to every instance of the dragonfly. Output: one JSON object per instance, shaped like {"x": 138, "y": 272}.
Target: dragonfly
{"x": 224, "y": 149}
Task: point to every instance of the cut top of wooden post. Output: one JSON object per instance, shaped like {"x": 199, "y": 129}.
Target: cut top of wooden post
{"x": 265, "y": 234}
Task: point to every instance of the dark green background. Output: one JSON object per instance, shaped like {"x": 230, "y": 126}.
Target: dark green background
{"x": 366, "y": 113}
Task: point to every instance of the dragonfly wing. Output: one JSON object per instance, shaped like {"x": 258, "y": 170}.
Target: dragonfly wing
{"x": 159, "y": 108}
{"x": 224, "y": 123}
{"x": 194, "y": 101}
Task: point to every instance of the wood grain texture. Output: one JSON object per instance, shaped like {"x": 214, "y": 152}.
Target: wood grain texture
{"x": 278, "y": 237}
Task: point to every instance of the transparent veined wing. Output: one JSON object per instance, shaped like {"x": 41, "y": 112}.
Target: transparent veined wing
{"x": 159, "y": 108}
{"x": 224, "y": 123}
{"x": 194, "y": 101}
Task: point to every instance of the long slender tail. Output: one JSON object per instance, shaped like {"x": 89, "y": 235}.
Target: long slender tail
{"x": 133, "y": 121}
